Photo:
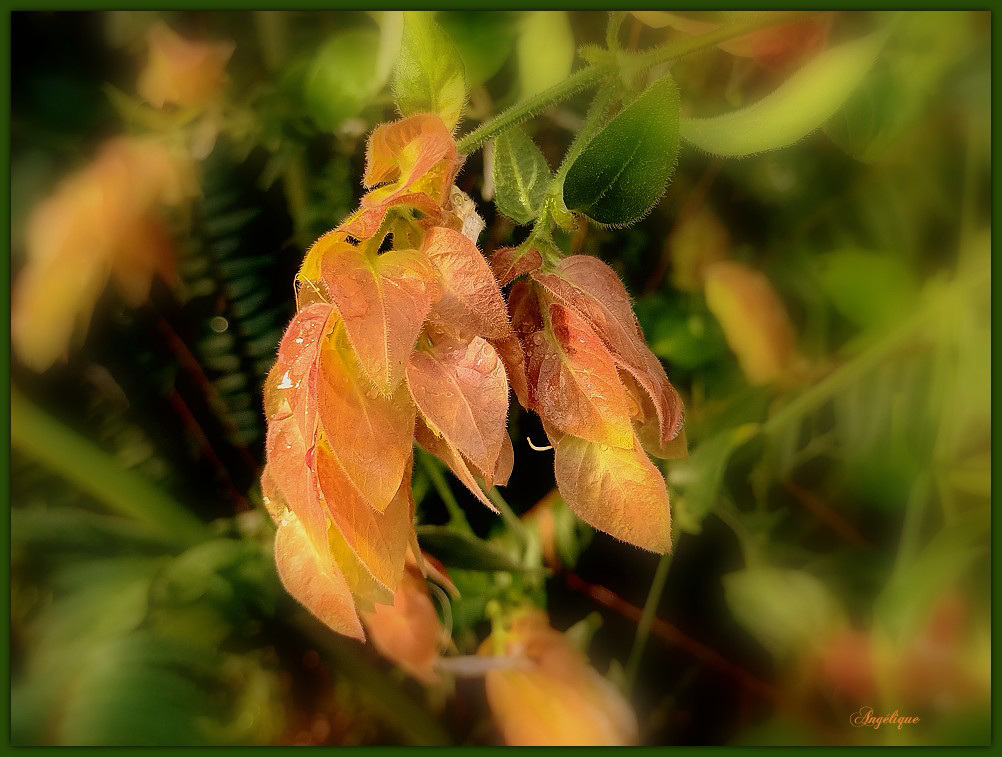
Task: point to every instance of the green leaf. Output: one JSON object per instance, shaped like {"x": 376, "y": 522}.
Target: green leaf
{"x": 786, "y": 610}
{"x": 874, "y": 116}
{"x": 702, "y": 474}
{"x": 868, "y": 289}
{"x": 624, "y": 170}
{"x": 545, "y": 51}
{"x": 461, "y": 550}
{"x": 429, "y": 75}
{"x": 341, "y": 78}
{"x": 521, "y": 176}
{"x": 902, "y": 609}
{"x": 800, "y": 105}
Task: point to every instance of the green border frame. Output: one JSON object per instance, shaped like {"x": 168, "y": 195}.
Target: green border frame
{"x": 236, "y": 5}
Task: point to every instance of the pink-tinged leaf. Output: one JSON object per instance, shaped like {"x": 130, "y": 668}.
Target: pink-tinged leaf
{"x": 590, "y": 287}
{"x": 506, "y": 464}
{"x": 407, "y": 149}
{"x": 440, "y": 448}
{"x": 523, "y": 307}
{"x": 383, "y": 301}
{"x": 573, "y": 382}
{"x": 314, "y": 581}
{"x": 471, "y": 302}
{"x": 290, "y": 462}
{"x": 299, "y": 350}
{"x": 615, "y": 490}
{"x": 369, "y": 434}
{"x": 645, "y": 423}
{"x": 508, "y": 263}
{"x": 436, "y": 571}
{"x": 513, "y": 358}
{"x": 462, "y": 392}
{"x": 379, "y": 540}
{"x": 411, "y": 162}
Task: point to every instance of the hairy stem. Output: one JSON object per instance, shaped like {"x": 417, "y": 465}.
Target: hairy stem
{"x": 586, "y": 77}
{"x": 592, "y": 75}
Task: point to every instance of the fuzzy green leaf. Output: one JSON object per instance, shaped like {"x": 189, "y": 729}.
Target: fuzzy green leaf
{"x": 521, "y": 176}
{"x": 624, "y": 170}
{"x": 429, "y": 75}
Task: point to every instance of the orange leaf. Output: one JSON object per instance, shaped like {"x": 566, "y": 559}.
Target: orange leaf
{"x": 645, "y": 423}
{"x": 408, "y": 631}
{"x": 589, "y": 286}
{"x": 506, "y": 464}
{"x": 462, "y": 392}
{"x": 573, "y": 382}
{"x": 379, "y": 540}
{"x": 315, "y": 582}
{"x": 547, "y": 694}
{"x": 383, "y": 300}
{"x": 414, "y": 162}
{"x": 471, "y": 301}
{"x": 369, "y": 434}
{"x": 290, "y": 467}
{"x": 440, "y": 448}
{"x": 615, "y": 490}
{"x": 182, "y": 72}
{"x": 513, "y": 358}
{"x": 755, "y": 322}
{"x": 508, "y": 263}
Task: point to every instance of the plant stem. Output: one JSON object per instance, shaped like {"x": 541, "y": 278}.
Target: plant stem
{"x": 507, "y": 514}
{"x": 61, "y": 449}
{"x": 586, "y": 77}
{"x": 647, "y": 618}
{"x": 596, "y": 72}
{"x": 437, "y": 478}
{"x": 689, "y": 45}
{"x": 816, "y": 395}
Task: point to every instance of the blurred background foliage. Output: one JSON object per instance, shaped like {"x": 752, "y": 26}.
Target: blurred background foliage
{"x": 823, "y": 309}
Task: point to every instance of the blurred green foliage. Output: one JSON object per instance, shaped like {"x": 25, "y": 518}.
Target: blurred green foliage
{"x": 850, "y": 497}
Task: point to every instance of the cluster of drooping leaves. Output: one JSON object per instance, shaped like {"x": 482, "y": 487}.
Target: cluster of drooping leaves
{"x": 387, "y": 347}
{"x": 402, "y": 333}
{"x": 604, "y": 398}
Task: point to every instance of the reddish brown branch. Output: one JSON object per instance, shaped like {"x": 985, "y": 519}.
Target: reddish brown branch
{"x": 826, "y": 515}
{"x": 194, "y": 369}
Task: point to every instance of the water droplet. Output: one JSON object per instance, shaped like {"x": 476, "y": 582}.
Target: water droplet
{"x": 286, "y": 382}
{"x": 299, "y": 340}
